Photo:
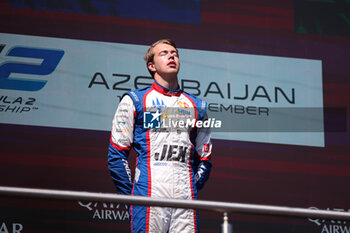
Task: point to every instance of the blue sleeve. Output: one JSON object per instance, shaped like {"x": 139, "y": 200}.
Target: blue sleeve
{"x": 119, "y": 169}
{"x": 120, "y": 144}
{"x": 203, "y": 150}
{"x": 202, "y": 174}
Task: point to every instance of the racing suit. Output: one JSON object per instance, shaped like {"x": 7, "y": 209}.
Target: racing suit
{"x": 172, "y": 162}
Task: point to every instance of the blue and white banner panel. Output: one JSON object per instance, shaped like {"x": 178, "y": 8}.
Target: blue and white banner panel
{"x": 78, "y": 84}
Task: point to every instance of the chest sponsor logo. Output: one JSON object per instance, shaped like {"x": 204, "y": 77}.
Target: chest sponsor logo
{"x": 172, "y": 153}
{"x": 158, "y": 104}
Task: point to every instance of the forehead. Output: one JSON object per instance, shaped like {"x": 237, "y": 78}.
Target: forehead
{"x": 163, "y": 47}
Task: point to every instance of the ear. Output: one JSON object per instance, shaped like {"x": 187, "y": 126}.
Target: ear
{"x": 151, "y": 67}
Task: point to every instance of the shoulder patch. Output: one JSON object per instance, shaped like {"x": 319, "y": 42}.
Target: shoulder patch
{"x": 135, "y": 96}
{"x": 204, "y": 105}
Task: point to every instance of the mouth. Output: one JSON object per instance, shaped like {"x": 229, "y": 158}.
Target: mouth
{"x": 172, "y": 64}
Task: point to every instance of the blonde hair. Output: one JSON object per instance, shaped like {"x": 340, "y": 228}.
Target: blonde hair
{"x": 150, "y": 53}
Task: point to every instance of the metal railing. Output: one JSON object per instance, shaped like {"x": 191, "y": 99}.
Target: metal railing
{"x": 223, "y": 207}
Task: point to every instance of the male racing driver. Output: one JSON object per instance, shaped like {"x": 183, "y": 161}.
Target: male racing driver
{"x": 171, "y": 162}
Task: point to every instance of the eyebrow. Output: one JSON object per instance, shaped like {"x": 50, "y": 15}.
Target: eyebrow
{"x": 170, "y": 51}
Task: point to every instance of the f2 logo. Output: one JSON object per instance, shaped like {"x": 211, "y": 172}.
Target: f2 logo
{"x": 51, "y": 58}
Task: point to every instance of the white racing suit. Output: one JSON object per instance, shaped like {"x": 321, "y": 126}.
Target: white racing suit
{"x": 173, "y": 159}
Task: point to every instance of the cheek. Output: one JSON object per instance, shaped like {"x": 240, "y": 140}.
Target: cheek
{"x": 160, "y": 62}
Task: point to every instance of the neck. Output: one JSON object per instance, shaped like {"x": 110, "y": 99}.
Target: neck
{"x": 170, "y": 82}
